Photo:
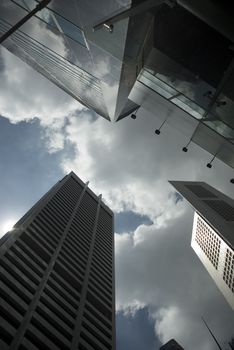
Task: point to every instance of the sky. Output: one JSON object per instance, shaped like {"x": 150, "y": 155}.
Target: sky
{"x": 162, "y": 289}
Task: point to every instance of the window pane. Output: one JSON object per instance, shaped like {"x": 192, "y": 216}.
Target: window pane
{"x": 189, "y": 106}
{"x": 45, "y": 14}
{"x": 155, "y": 84}
{"x": 70, "y": 30}
{"x": 55, "y": 21}
{"x": 221, "y": 128}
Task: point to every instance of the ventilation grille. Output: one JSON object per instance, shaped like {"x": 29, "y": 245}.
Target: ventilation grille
{"x": 208, "y": 242}
{"x": 222, "y": 208}
{"x": 228, "y": 274}
{"x": 201, "y": 191}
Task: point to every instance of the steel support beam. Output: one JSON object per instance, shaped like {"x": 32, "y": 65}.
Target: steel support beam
{"x": 38, "y": 7}
{"x": 134, "y": 10}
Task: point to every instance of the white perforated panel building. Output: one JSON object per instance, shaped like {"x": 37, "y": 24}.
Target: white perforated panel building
{"x": 213, "y": 232}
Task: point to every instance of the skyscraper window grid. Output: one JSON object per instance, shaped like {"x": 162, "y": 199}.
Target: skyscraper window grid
{"x": 48, "y": 298}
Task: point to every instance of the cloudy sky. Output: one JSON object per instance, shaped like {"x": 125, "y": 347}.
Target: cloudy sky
{"x": 162, "y": 289}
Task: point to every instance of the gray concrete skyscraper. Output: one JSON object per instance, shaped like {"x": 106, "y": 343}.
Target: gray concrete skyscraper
{"x": 171, "y": 345}
{"x": 212, "y": 237}
{"x": 57, "y": 273}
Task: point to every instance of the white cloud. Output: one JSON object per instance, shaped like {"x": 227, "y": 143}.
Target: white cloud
{"x": 155, "y": 266}
{"x": 167, "y": 318}
{"x": 25, "y": 95}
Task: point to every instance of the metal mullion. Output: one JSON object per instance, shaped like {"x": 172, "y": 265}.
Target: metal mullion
{"x": 68, "y": 62}
{"x": 44, "y": 57}
{"x": 61, "y": 60}
{"x": 76, "y": 334}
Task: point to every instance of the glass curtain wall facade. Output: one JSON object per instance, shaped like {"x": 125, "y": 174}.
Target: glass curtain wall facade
{"x": 192, "y": 80}
{"x": 96, "y": 68}
{"x": 156, "y": 57}
{"x": 57, "y": 273}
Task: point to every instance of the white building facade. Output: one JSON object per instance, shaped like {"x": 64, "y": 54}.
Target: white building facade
{"x": 212, "y": 236}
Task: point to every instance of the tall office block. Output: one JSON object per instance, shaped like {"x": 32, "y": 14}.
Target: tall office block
{"x": 171, "y": 345}
{"x": 212, "y": 237}
{"x": 57, "y": 273}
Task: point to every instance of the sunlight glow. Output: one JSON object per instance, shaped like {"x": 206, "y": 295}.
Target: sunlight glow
{"x": 8, "y": 226}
